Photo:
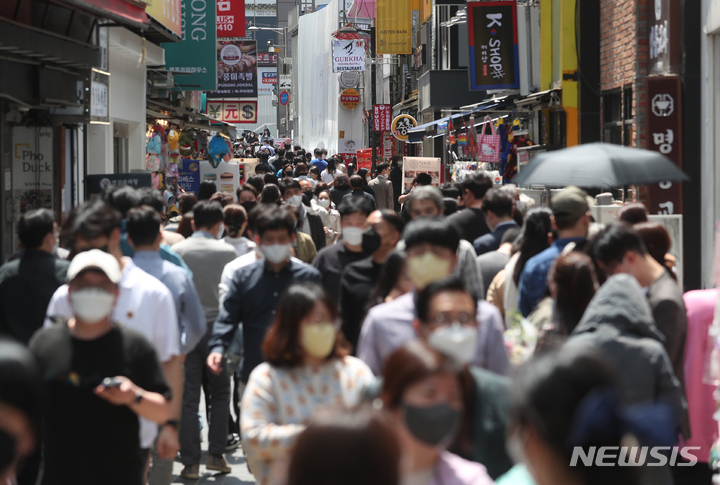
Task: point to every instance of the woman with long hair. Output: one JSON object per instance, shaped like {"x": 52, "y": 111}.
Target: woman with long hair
{"x": 307, "y": 368}
{"x": 328, "y": 175}
{"x": 235, "y": 220}
{"x": 393, "y": 281}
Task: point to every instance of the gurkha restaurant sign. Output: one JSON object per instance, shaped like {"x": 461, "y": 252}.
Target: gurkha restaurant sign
{"x": 493, "y": 45}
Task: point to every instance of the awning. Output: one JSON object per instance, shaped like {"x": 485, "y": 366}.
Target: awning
{"x": 550, "y": 96}
{"x": 190, "y": 119}
{"x": 127, "y": 12}
{"x": 417, "y": 134}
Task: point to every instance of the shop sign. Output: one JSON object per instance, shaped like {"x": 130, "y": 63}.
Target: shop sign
{"x": 285, "y": 81}
{"x": 382, "y": 117}
{"x": 230, "y": 18}
{"x": 348, "y": 55}
{"x": 664, "y": 127}
{"x": 393, "y": 26}
{"x": 350, "y": 99}
{"x": 492, "y": 31}
{"x": 664, "y": 18}
{"x": 196, "y": 52}
{"x": 167, "y": 13}
{"x": 99, "y": 97}
{"x": 267, "y": 59}
{"x": 349, "y": 79}
{"x": 237, "y": 69}
{"x": 268, "y": 80}
{"x": 412, "y": 166}
{"x": 401, "y": 125}
{"x": 387, "y": 146}
{"x": 244, "y": 111}
{"x": 33, "y": 167}
{"x": 96, "y": 184}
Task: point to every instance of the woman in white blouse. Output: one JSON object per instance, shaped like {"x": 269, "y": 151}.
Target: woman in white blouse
{"x": 329, "y": 215}
{"x": 307, "y": 369}
{"x": 328, "y": 175}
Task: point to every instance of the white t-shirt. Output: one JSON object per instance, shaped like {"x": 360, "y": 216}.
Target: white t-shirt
{"x": 328, "y": 177}
{"x": 241, "y": 244}
{"x": 144, "y": 305}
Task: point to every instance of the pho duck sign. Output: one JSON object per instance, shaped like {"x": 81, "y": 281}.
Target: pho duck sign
{"x": 493, "y": 45}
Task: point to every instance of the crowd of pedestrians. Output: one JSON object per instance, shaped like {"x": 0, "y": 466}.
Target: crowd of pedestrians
{"x": 345, "y": 331}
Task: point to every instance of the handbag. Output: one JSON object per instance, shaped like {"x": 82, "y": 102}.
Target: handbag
{"x": 489, "y": 145}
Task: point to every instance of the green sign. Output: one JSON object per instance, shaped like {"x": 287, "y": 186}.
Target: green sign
{"x": 196, "y": 53}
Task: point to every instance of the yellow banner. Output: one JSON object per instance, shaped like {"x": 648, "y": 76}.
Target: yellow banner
{"x": 425, "y": 10}
{"x": 166, "y": 12}
{"x": 394, "y": 26}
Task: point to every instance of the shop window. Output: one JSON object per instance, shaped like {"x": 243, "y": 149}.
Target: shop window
{"x": 618, "y": 117}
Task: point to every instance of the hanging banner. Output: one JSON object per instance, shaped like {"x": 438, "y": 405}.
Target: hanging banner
{"x": 195, "y": 54}
{"x": 348, "y": 55}
{"x": 412, "y": 166}
{"x": 189, "y": 175}
{"x": 167, "y": 13}
{"x": 382, "y": 117}
{"x": 236, "y": 69}
{"x": 664, "y": 129}
{"x": 230, "y": 18}
{"x": 401, "y": 125}
{"x": 244, "y": 111}
{"x": 492, "y": 31}
{"x": 32, "y": 168}
{"x": 393, "y": 26}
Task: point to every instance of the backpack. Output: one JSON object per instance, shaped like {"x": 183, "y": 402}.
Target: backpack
{"x": 218, "y": 149}
{"x": 153, "y": 163}
{"x": 154, "y": 144}
{"x": 187, "y": 143}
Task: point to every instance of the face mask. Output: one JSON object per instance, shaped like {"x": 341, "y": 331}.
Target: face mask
{"x": 92, "y": 305}
{"x": 457, "y": 341}
{"x": 427, "y": 268}
{"x": 276, "y": 253}
{"x": 248, "y": 205}
{"x": 318, "y": 339}
{"x": 295, "y": 201}
{"x": 324, "y": 203}
{"x": 352, "y": 235}
{"x": 371, "y": 241}
{"x": 288, "y": 174}
{"x": 434, "y": 425}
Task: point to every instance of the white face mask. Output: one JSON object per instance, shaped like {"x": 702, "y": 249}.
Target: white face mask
{"x": 353, "y": 235}
{"x": 324, "y": 203}
{"x": 456, "y": 341}
{"x": 92, "y": 305}
{"x": 276, "y": 253}
{"x": 295, "y": 201}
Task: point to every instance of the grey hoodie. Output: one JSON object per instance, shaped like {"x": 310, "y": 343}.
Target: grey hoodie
{"x": 619, "y": 322}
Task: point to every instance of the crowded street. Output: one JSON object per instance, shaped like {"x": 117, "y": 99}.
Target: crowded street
{"x": 359, "y": 242}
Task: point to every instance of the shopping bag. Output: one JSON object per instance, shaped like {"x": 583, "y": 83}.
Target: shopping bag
{"x": 489, "y": 145}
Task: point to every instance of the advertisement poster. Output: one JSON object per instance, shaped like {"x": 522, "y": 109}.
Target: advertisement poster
{"x": 243, "y": 111}
{"x": 348, "y": 55}
{"x": 246, "y": 168}
{"x": 237, "y": 69}
{"x": 382, "y": 116}
{"x": 189, "y": 175}
{"x": 492, "y": 31}
{"x": 32, "y": 167}
{"x": 412, "y": 166}
{"x": 268, "y": 80}
{"x": 225, "y": 176}
{"x": 364, "y": 158}
{"x": 195, "y": 54}
{"x": 230, "y": 18}
{"x": 393, "y": 26}
{"x": 167, "y": 13}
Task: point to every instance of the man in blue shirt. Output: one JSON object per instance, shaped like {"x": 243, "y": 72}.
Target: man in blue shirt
{"x": 318, "y": 161}
{"x": 255, "y": 290}
{"x": 571, "y": 218}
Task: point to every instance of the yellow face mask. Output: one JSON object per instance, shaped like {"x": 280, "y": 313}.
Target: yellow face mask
{"x": 318, "y": 339}
{"x": 426, "y": 268}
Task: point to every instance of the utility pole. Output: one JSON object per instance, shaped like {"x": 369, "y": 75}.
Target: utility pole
{"x": 373, "y": 95}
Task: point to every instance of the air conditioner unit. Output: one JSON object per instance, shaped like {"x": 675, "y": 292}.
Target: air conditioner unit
{"x": 160, "y": 80}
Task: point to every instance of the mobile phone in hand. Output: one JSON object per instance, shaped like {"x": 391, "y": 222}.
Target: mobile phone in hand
{"x": 111, "y": 382}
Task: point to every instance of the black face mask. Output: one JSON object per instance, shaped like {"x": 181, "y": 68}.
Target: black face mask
{"x": 248, "y": 205}
{"x": 7, "y": 450}
{"x": 371, "y": 241}
{"x": 434, "y": 425}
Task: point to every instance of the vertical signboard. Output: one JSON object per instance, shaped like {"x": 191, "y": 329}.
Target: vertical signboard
{"x": 237, "y": 66}
{"x": 32, "y": 168}
{"x": 664, "y": 128}
{"x": 189, "y": 175}
{"x": 167, "y": 13}
{"x": 195, "y": 53}
{"x": 492, "y": 32}
{"x": 230, "y": 18}
{"x": 393, "y": 26}
{"x": 664, "y": 18}
{"x": 382, "y": 117}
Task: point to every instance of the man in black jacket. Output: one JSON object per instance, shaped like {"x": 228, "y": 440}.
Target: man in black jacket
{"x": 308, "y": 222}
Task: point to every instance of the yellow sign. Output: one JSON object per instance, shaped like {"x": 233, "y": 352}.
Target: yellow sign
{"x": 394, "y": 26}
{"x": 425, "y": 10}
{"x": 342, "y": 135}
{"x": 350, "y": 99}
{"x": 166, "y": 12}
{"x": 401, "y": 125}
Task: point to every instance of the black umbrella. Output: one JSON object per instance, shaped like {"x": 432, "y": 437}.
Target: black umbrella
{"x": 599, "y": 165}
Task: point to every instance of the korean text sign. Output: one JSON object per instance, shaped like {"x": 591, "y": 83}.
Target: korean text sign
{"x": 394, "y": 27}
{"x": 382, "y": 115}
{"x": 493, "y": 45}
{"x": 230, "y": 18}
{"x": 195, "y": 54}
{"x": 237, "y": 70}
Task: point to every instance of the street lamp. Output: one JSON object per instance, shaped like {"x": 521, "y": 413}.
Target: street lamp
{"x": 281, "y": 30}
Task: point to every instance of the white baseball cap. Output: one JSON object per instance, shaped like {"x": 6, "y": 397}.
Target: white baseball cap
{"x": 95, "y": 259}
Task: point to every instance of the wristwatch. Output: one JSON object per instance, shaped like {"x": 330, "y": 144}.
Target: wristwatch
{"x": 138, "y": 398}
{"x": 174, "y": 423}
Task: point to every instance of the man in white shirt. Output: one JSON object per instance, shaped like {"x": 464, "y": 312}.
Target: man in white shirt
{"x": 144, "y": 305}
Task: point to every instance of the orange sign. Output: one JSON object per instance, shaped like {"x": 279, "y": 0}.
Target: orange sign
{"x": 350, "y": 99}
{"x": 167, "y": 13}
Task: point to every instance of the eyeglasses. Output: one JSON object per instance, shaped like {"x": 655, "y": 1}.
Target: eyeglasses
{"x": 448, "y": 319}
